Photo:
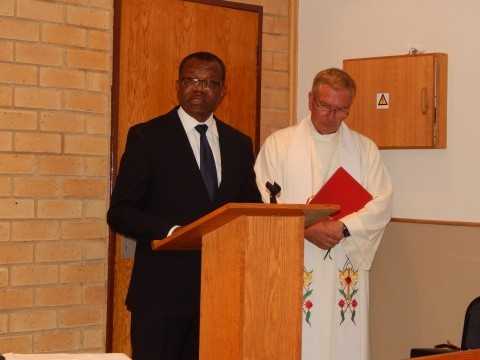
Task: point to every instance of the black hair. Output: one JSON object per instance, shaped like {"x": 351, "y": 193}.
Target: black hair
{"x": 203, "y": 56}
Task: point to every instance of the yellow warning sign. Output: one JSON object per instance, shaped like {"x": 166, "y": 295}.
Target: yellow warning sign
{"x": 383, "y": 100}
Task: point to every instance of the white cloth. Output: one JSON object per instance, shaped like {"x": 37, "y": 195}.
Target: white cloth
{"x": 111, "y": 356}
{"x": 295, "y": 158}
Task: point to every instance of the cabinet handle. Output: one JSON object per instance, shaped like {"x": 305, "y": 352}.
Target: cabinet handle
{"x": 424, "y": 100}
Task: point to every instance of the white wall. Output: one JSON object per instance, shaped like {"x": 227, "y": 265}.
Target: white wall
{"x": 429, "y": 184}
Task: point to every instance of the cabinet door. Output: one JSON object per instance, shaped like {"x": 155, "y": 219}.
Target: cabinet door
{"x": 401, "y": 100}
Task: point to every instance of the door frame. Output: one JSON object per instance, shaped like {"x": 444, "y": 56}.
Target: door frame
{"x": 114, "y": 129}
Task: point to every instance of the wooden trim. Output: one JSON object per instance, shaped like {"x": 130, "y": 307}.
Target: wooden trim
{"x": 113, "y": 168}
{"x": 437, "y": 222}
{"x": 293, "y": 62}
{"x": 393, "y": 56}
{"x": 230, "y": 4}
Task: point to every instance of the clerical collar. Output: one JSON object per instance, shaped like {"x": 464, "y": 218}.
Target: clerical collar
{"x": 322, "y": 137}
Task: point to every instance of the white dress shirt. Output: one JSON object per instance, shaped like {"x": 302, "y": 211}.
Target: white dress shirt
{"x": 193, "y": 135}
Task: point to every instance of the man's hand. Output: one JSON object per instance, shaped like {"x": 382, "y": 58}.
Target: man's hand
{"x": 325, "y": 234}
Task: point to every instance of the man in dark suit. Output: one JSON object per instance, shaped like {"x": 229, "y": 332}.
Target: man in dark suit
{"x": 175, "y": 170}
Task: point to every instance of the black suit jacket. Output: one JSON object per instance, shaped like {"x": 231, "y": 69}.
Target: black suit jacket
{"x": 159, "y": 185}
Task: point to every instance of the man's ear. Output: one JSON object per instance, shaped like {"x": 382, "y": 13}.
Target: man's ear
{"x": 310, "y": 100}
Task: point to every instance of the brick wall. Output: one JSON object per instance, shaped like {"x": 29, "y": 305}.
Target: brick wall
{"x": 55, "y": 75}
{"x": 275, "y": 110}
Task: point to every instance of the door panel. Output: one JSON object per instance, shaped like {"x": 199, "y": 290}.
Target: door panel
{"x": 151, "y": 39}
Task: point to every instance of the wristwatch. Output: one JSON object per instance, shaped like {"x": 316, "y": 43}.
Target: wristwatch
{"x": 345, "y": 231}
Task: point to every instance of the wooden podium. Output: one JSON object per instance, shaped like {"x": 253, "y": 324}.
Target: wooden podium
{"x": 456, "y": 355}
{"x": 252, "y": 278}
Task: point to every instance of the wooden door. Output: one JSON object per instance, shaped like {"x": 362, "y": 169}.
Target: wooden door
{"x": 151, "y": 38}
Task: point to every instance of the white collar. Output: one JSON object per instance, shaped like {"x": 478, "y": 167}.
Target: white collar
{"x": 190, "y": 122}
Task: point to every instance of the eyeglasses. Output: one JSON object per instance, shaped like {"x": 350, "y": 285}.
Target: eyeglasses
{"x": 203, "y": 83}
{"x": 325, "y": 108}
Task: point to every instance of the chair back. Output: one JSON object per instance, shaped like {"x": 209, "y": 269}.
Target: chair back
{"x": 471, "y": 326}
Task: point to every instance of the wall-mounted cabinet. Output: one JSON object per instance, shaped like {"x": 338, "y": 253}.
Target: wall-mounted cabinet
{"x": 401, "y": 101}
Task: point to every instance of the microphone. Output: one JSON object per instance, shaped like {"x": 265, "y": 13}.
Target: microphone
{"x": 274, "y": 190}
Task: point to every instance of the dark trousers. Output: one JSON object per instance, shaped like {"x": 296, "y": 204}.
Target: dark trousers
{"x": 164, "y": 337}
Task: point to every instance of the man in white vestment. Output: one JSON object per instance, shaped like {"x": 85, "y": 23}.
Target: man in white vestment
{"x": 338, "y": 253}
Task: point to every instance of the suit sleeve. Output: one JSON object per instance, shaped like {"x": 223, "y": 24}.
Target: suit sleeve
{"x": 250, "y": 193}
{"x": 127, "y": 214}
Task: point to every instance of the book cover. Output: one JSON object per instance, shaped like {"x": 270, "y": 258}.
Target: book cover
{"x": 342, "y": 189}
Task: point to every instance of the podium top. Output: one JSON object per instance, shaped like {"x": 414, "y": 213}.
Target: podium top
{"x": 188, "y": 237}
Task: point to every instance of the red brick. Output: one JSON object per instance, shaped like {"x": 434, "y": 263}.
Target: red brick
{"x": 60, "y": 209}
{"x": 3, "y": 279}
{"x": 6, "y": 143}
{"x": 4, "y": 230}
{"x": 57, "y": 341}
{"x": 6, "y": 95}
{"x": 18, "y": 119}
{"x": 16, "y": 299}
{"x": 88, "y": 17}
{"x": 62, "y": 78}
{"x": 37, "y": 53}
{"x": 36, "y": 187}
{"x": 58, "y": 296}
{"x": 96, "y": 166}
{"x": 80, "y": 316}
{"x": 85, "y": 273}
{"x": 3, "y": 324}
{"x": 95, "y": 295}
{"x": 100, "y": 40}
{"x": 18, "y": 74}
{"x": 93, "y": 338}
{"x": 33, "y": 320}
{"x": 6, "y": 50}
{"x": 34, "y": 275}
{"x": 16, "y": 344}
{"x": 86, "y": 144}
{"x": 95, "y": 209}
{"x": 60, "y": 165}
{"x": 85, "y": 101}
{"x": 7, "y": 7}
{"x": 35, "y": 230}
{"x": 97, "y": 124}
{"x": 40, "y": 10}
{"x": 84, "y": 229}
{"x": 64, "y": 35}
{"x": 95, "y": 250}
{"x": 16, "y": 208}
{"x": 38, "y": 98}
{"x": 97, "y": 81}
{"x": 38, "y": 142}
{"x": 16, "y": 164}
{"x": 62, "y": 121}
{"x": 19, "y": 29}
{"x": 58, "y": 251}
{"x": 85, "y": 188}
{"x": 5, "y": 186}
{"x": 88, "y": 59}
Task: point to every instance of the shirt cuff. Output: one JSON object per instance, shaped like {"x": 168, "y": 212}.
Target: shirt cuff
{"x": 172, "y": 229}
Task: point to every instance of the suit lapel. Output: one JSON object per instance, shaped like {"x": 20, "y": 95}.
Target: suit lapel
{"x": 183, "y": 153}
{"x": 228, "y": 161}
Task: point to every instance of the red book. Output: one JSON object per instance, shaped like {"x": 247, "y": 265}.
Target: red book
{"x": 342, "y": 189}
